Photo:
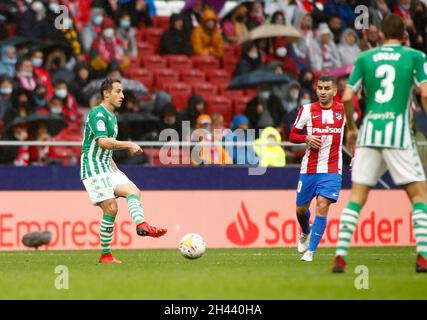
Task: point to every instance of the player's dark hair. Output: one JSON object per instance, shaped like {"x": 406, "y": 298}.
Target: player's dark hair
{"x": 393, "y": 27}
{"x": 107, "y": 85}
{"x": 328, "y": 77}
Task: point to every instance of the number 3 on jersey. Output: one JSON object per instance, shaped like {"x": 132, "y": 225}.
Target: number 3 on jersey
{"x": 386, "y": 92}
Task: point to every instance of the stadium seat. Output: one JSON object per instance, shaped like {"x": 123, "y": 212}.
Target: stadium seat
{"x": 180, "y": 100}
{"x": 217, "y": 77}
{"x": 161, "y": 22}
{"x": 145, "y": 49}
{"x": 204, "y": 88}
{"x": 143, "y": 75}
{"x": 164, "y": 76}
{"x": 220, "y": 105}
{"x": 154, "y": 62}
{"x": 205, "y": 63}
{"x": 177, "y": 87}
{"x": 229, "y": 63}
{"x": 153, "y": 35}
{"x": 179, "y": 62}
{"x": 193, "y": 76}
{"x": 239, "y": 104}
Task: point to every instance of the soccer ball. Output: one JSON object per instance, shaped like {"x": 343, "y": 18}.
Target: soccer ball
{"x": 192, "y": 246}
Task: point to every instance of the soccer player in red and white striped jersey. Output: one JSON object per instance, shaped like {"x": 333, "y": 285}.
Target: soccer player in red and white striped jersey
{"x": 321, "y": 167}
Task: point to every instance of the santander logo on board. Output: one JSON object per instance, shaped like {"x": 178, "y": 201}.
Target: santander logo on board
{"x": 243, "y": 231}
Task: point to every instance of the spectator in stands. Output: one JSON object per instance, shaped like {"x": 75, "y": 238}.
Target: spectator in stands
{"x": 4, "y": 33}
{"x": 378, "y": 10}
{"x": 281, "y": 90}
{"x": 22, "y": 105}
{"x": 304, "y": 23}
{"x": 107, "y": 48}
{"x": 193, "y": 16}
{"x": 342, "y": 9}
{"x": 288, "y": 8}
{"x": 80, "y": 11}
{"x": 42, "y": 155}
{"x": 218, "y": 127}
{"x": 206, "y": 39}
{"x": 418, "y": 32}
{"x": 41, "y": 73}
{"x": 371, "y": 38}
{"x": 175, "y": 40}
{"x": 264, "y": 110}
{"x": 291, "y": 105}
{"x": 341, "y": 85}
{"x": 32, "y": 23}
{"x": 306, "y": 80}
{"x": 196, "y": 107}
{"x": 58, "y": 69}
{"x": 269, "y": 150}
{"x": 336, "y": 27}
{"x": 349, "y": 47}
{"x": 56, "y": 106}
{"x": 8, "y": 61}
{"x": 280, "y": 50}
{"x": 234, "y": 28}
{"x": 169, "y": 118}
{"x": 25, "y": 76}
{"x": 81, "y": 79}
{"x": 402, "y": 8}
{"x": 40, "y": 100}
{"x": 92, "y": 30}
{"x": 325, "y": 56}
{"x": 241, "y": 155}
{"x": 250, "y": 58}
{"x": 278, "y": 17}
{"x": 212, "y": 154}
{"x": 256, "y": 15}
{"x": 6, "y": 91}
{"x": 127, "y": 35}
{"x": 16, "y": 155}
{"x": 139, "y": 10}
{"x": 69, "y": 104}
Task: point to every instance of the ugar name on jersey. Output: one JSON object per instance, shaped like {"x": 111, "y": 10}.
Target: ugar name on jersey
{"x": 327, "y": 130}
{"x": 394, "y": 56}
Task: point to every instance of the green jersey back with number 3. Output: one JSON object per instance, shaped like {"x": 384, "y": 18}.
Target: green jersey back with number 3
{"x": 387, "y": 74}
{"x": 96, "y": 160}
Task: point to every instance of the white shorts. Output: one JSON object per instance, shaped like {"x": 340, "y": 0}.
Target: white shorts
{"x": 371, "y": 163}
{"x": 102, "y": 186}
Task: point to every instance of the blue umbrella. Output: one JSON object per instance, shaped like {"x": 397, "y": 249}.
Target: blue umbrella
{"x": 257, "y": 78}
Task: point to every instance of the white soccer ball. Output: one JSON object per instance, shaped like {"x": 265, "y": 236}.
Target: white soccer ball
{"x": 192, "y": 246}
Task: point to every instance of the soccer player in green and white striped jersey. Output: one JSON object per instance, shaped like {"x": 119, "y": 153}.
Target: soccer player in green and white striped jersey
{"x": 386, "y": 141}
{"x": 102, "y": 179}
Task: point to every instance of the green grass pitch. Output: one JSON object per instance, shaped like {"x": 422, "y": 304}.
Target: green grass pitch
{"x": 220, "y": 274}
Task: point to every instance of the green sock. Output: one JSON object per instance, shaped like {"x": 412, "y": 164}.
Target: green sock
{"x": 135, "y": 208}
{"x": 106, "y": 232}
{"x": 348, "y": 223}
{"x": 419, "y": 223}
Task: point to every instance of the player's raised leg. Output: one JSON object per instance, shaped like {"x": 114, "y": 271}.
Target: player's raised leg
{"x": 131, "y": 193}
{"x": 106, "y": 232}
{"x": 318, "y": 228}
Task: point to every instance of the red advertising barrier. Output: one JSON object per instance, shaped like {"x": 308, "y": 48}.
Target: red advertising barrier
{"x": 224, "y": 218}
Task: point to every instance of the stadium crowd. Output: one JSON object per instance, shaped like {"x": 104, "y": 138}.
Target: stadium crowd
{"x": 175, "y": 68}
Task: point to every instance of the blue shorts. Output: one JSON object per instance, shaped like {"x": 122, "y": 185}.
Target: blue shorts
{"x": 327, "y": 185}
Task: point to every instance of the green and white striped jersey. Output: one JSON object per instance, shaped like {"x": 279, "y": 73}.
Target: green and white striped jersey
{"x": 387, "y": 74}
{"x": 94, "y": 159}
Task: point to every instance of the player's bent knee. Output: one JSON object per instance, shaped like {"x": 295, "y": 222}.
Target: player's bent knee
{"x": 109, "y": 207}
{"x": 301, "y": 210}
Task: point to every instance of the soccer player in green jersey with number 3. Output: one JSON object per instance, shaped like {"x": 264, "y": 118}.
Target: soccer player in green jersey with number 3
{"x": 385, "y": 140}
{"x": 103, "y": 181}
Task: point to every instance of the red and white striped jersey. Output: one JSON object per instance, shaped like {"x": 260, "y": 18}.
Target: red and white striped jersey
{"x": 329, "y": 124}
